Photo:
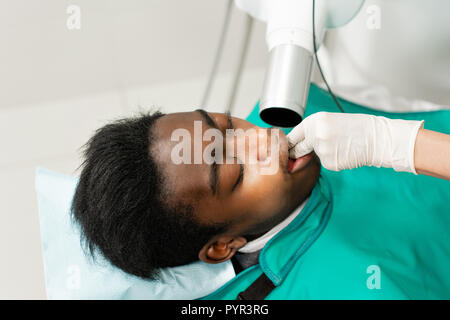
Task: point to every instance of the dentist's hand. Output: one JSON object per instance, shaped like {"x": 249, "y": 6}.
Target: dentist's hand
{"x": 347, "y": 141}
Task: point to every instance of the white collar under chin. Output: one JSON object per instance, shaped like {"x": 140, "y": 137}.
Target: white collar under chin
{"x": 259, "y": 243}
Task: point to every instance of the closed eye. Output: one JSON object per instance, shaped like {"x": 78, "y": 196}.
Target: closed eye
{"x": 241, "y": 166}
{"x": 240, "y": 177}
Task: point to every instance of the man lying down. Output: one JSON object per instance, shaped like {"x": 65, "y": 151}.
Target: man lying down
{"x": 366, "y": 233}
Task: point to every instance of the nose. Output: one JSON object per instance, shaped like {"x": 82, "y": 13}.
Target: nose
{"x": 257, "y": 144}
{"x": 264, "y": 139}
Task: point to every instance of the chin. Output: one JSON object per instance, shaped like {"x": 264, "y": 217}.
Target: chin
{"x": 303, "y": 181}
{"x": 316, "y": 161}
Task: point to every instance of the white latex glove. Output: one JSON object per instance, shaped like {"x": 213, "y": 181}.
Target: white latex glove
{"x": 347, "y": 141}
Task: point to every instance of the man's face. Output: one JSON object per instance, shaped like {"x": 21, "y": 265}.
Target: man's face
{"x": 240, "y": 192}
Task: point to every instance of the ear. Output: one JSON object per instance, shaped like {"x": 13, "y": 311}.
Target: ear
{"x": 221, "y": 248}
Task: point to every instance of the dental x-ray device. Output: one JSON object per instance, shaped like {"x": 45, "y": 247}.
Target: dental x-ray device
{"x": 290, "y": 43}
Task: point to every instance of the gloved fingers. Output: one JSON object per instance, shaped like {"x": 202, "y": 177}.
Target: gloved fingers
{"x": 296, "y": 135}
{"x": 300, "y": 149}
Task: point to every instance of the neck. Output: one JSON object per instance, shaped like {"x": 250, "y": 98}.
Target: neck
{"x": 257, "y": 242}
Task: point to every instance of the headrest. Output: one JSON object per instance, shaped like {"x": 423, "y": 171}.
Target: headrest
{"x": 70, "y": 274}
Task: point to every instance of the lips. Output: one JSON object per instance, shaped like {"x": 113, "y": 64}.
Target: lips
{"x": 291, "y": 165}
{"x": 295, "y": 165}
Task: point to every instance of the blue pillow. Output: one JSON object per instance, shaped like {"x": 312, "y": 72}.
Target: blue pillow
{"x": 70, "y": 274}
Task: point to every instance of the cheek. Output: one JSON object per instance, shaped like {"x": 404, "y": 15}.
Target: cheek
{"x": 266, "y": 192}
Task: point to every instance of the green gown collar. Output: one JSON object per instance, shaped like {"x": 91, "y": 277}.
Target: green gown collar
{"x": 288, "y": 245}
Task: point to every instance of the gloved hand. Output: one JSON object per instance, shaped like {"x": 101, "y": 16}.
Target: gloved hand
{"x": 347, "y": 141}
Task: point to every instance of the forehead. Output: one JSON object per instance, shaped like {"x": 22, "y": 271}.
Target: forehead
{"x": 185, "y": 181}
{"x": 169, "y": 122}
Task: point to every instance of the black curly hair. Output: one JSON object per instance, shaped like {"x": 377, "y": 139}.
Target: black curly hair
{"x": 120, "y": 205}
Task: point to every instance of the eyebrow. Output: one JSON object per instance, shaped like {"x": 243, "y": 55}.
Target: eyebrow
{"x": 208, "y": 119}
{"x": 213, "y": 176}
